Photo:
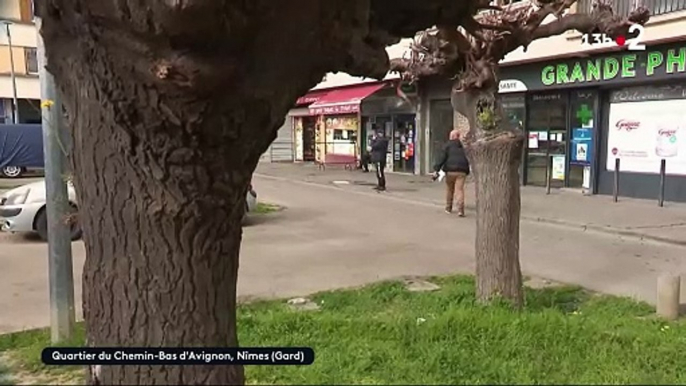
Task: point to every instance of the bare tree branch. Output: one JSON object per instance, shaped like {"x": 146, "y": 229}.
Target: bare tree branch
{"x": 601, "y": 20}
{"x": 473, "y": 54}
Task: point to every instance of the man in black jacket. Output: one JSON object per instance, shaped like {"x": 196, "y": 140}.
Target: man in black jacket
{"x": 453, "y": 161}
{"x": 379, "y": 149}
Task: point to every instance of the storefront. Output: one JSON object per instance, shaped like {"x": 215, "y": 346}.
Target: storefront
{"x": 582, "y": 114}
{"x": 393, "y": 111}
{"x": 338, "y": 115}
{"x": 305, "y": 127}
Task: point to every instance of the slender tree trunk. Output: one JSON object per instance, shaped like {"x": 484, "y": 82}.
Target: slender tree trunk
{"x": 494, "y": 151}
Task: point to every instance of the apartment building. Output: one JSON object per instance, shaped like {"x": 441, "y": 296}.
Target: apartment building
{"x": 17, "y": 17}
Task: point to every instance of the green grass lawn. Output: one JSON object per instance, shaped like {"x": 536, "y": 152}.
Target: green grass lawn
{"x": 264, "y": 208}
{"x": 385, "y": 334}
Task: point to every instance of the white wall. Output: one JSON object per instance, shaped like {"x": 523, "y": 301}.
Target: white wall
{"x": 27, "y": 88}
{"x": 23, "y": 35}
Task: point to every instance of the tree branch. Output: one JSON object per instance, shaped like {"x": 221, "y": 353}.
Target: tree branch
{"x": 602, "y": 20}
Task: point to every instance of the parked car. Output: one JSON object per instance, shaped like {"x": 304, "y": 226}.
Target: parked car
{"x": 21, "y": 150}
{"x": 22, "y": 209}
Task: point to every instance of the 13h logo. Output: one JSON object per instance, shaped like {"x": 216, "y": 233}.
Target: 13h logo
{"x": 633, "y": 44}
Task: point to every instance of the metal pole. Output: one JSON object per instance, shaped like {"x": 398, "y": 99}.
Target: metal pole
{"x": 615, "y": 190}
{"x": 15, "y": 112}
{"x": 548, "y": 172}
{"x": 663, "y": 169}
{"x": 62, "y": 311}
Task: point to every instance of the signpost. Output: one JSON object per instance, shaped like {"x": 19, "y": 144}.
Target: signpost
{"x": 62, "y": 313}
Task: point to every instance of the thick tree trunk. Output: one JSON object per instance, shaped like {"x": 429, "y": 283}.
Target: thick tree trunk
{"x": 168, "y": 124}
{"x": 171, "y": 104}
{"x": 494, "y": 151}
{"x": 161, "y": 201}
{"x": 161, "y": 170}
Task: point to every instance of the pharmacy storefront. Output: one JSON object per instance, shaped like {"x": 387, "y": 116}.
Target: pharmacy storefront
{"x": 582, "y": 115}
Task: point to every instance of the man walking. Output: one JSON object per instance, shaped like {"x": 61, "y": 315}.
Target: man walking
{"x": 379, "y": 147}
{"x": 453, "y": 161}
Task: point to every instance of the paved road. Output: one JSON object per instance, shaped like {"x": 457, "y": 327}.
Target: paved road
{"x": 331, "y": 237}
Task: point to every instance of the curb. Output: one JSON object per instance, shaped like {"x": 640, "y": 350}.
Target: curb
{"x": 534, "y": 219}
{"x": 605, "y": 230}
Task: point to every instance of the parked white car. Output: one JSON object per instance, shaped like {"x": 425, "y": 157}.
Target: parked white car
{"x": 22, "y": 209}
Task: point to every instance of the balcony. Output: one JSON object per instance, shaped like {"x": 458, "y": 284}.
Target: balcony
{"x": 624, "y": 7}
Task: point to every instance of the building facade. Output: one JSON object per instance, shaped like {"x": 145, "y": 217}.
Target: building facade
{"x": 582, "y": 107}
{"x": 585, "y": 115}
{"x": 585, "y": 106}
{"x": 17, "y": 17}
{"x": 589, "y": 109}
{"x": 335, "y": 125}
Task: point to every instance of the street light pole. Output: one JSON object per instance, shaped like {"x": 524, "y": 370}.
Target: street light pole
{"x": 62, "y": 312}
{"x": 15, "y": 112}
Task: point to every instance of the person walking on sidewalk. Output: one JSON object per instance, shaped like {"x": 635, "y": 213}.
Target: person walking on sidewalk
{"x": 379, "y": 148}
{"x": 453, "y": 161}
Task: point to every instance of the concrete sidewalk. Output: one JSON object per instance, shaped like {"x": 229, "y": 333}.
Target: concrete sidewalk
{"x": 641, "y": 219}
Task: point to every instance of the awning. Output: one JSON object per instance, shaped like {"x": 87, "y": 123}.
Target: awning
{"x": 310, "y": 97}
{"x": 345, "y": 100}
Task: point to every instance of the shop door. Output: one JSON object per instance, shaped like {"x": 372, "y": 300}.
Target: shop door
{"x": 309, "y": 138}
{"x": 514, "y": 108}
{"x": 403, "y": 144}
{"x": 383, "y": 123}
{"x": 441, "y": 115}
{"x": 371, "y": 125}
{"x": 547, "y": 140}
{"x": 581, "y": 118}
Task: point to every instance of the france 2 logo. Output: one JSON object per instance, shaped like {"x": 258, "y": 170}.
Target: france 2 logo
{"x": 633, "y": 44}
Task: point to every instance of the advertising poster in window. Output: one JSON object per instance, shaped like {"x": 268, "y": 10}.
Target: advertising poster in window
{"x": 558, "y": 172}
{"x": 641, "y": 134}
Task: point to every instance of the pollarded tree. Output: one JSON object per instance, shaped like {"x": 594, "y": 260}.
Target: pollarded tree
{"x": 170, "y": 105}
{"x": 470, "y": 52}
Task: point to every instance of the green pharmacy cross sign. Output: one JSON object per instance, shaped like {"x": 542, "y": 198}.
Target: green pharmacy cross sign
{"x": 584, "y": 114}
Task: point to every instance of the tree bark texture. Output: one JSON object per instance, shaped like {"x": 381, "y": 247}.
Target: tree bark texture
{"x": 161, "y": 182}
{"x": 495, "y": 156}
{"x": 166, "y": 137}
{"x": 171, "y": 104}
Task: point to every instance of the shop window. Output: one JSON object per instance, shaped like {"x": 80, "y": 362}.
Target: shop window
{"x": 343, "y": 135}
{"x": 31, "y": 57}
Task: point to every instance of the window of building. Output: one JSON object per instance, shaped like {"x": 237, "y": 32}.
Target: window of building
{"x": 31, "y": 60}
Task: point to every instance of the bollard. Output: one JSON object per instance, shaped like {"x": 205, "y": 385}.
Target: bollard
{"x": 548, "y": 172}
{"x": 615, "y": 190}
{"x": 668, "y": 289}
{"x": 661, "y": 197}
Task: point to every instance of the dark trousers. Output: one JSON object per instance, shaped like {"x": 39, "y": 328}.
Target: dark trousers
{"x": 365, "y": 160}
{"x": 380, "y": 176}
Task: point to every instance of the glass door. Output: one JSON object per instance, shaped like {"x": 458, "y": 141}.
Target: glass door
{"x": 403, "y": 144}
{"x": 581, "y": 119}
{"x": 546, "y": 153}
{"x": 514, "y": 108}
{"x": 309, "y": 140}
